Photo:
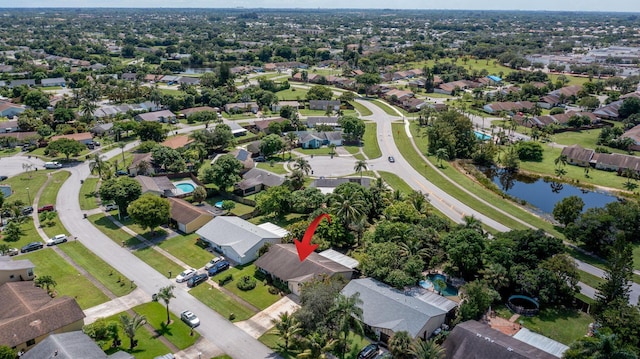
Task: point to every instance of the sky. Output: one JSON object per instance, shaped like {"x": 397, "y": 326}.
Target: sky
{"x": 551, "y": 5}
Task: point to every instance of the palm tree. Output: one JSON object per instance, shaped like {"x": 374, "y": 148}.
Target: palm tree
{"x": 87, "y": 108}
{"x": 360, "y": 166}
{"x": 560, "y": 161}
{"x": 302, "y": 165}
{"x": 287, "y": 327}
{"x": 122, "y": 145}
{"x": 599, "y": 347}
{"x": 349, "y": 208}
{"x": 130, "y": 326}
{"x": 317, "y": 346}
{"x": 426, "y": 349}
{"x": 46, "y": 282}
{"x": 332, "y": 149}
{"x": 400, "y": 345}
{"x": 347, "y": 313}
{"x": 296, "y": 179}
{"x": 419, "y": 200}
{"x": 496, "y": 276}
{"x": 98, "y": 164}
{"x": 442, "y": 155}
{"x": 165, "y": 294}
{"x": 471, "y": 222}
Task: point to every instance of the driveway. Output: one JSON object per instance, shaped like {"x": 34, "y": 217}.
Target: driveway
{"x": 215, "y": 328}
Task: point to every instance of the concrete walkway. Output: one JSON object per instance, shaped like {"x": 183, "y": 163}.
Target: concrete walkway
{"x": 116, "y": 306}
{"x": 260, "y": 323}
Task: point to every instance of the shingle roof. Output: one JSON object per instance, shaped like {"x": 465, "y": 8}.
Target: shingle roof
{"x": 33, "y": 312}
{"x": 577, "y": 153}
{"x": 184, "y": 212}
{"x": 386, "y": 307}
{"x": 155, "y": 116}
{"x": 283, "y": 262}
{"x": 234, "y": 232}
{"x": 257, "y": 176}
{"x": 72, "y": 345}
{"x": 155, "y": 184}
{"x": 474, "y": 340}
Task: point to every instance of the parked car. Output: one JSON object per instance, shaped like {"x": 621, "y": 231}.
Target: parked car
{"x": 52, "y": 165}
{"x": 185, "y": 275}
{"x": 189, "y": 318}
{"x": 260, "y": 159}
{"x": 218, "y": 267}
{"x": 2, "y": 178}
{"x": 33, "y": 246}
{"x": 57, "y": 239}
{"x": 27, "y": 210}
{"x": 90, "y": 146}
{"x": 111, "y": 207}
{"x": 12, "y": 252}
{"x": 369, "y": 352}
{"x": 121, "y": 173}
{"x": 213, "y": 262}
{"x": 46, "y": 208}
{"x": 197, "y": 279}
{"x": 391, "y": 159}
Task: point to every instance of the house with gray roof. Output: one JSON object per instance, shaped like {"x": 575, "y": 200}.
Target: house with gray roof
{"x": 237, "y": 239}
{"x": 256, "y": 180}
{"x": 58, "y": 81}
{"x": 27, "y": 82}
{"x": 578, "y": 156}
{"x": 323, "y": 120}
{"x": 10, "y": 109}
{"x": 282, "y": 263}
{"x": 323, "y": 105}
{"x": 318, "y": 139}
{"x": 15, "y": 270}
{"x": 71, "y": 345}
{"x": 327, "y": 185}
{"x": 160, "y": 185}
{"x": 157, "y": 116}
{"x": 387, "y": 310}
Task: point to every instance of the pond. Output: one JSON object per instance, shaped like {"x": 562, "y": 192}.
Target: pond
{"x": 542, "y": 193}
{"x": 197, "y": 70}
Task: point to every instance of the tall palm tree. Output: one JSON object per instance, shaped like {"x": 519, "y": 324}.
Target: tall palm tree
{"x": 130, "y": 326}
{"x": 291, "y": 139}
{"x": 400, "y": 345}
{"x": 122, "y": 146}
{"x": 332, "y": 149}
{"x": 419, "y": 200}
{"x": 599, "y": 347}
{"x": 360, "y": 166}
{"x": 87, "y": 108}
{"x": 427, "y": 349}
{"x": 317, "y": 346}
{"x": 296, "y": 179}
{"x": 165, "y": 294}
{"x": 347, "y": 313}
{"x": 302, "y": 165}
{"x": 442, "y": 155}
{"x": 349, "y": 208}
{"x": 98, "y": 165}
{"x": 287, "y": 327}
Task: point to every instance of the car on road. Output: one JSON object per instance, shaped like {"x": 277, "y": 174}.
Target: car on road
{"x": 213, "y": 262}
{"x": 33, "y": 246}
{"x": 185, "y": 275}
{"x": 2, "y": 178}
{"x": 27, "y": 210}
{"x": 52, "y": 165}
{"x": 369, "y": 352}
{"x": 197, "y": 279}
{"x": 111, "y": 207}
{"x": 189, "y": 318}
{"x": 11, "y": 252}
{"x": 391, "y": 159}
{"x": 46, "y": 208}
{"x": 57, "y": 239}
{"x": 218, "y": 267}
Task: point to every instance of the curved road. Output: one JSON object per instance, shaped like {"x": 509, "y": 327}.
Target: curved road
{"x": 217, "y": 329}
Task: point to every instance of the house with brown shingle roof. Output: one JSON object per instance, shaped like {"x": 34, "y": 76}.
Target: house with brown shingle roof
{"x": 578, "y": 156}
{"x": 634, "y": 134}
{"x": 188, "y": 218}
{"x": 176, "y": 142}
{"x": 82, "y": 137}
{"x": 282, "y": 264}
{"x": 190, "y": 111}
{"x": 136, "y": 164}
{"x": 30, "y": 315}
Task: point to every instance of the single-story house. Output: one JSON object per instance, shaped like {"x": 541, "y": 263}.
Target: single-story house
{"x": 15, "y": 270}
{"x": 27, "y": 82}
{"x": 177, "y": 141}
{"x": 509, "y": 107}
{"x": 578, "y": 156}
{"x": 188, "y": 218}
{"x": 240, "y": 107}
{"x": 102, "y": 128}
{"x": 157, "y": 116}
{"x": 160, "y": 185}
{"x": 387, "y": 310}
{"x": 319, "y": 139}
{"x": 323, "y": 120}
{"x": 476, "y": 340}
{"x": 129, "y": 76}
{"x": 152, "y": 78}
{"x": 190, "y": 111}
{"x": 23, "y": 137}
{"x": 282, "y": 263}
{"x": 263, "y": 125}
{"x": 33, "y": 315}
{"x": 333, "y": 105}
{"x": 277, "y": 106}
{"x": 71, "y": 345}
{"x": 616, "y": 162}
{"x": 58, "y": 81}
{"x": 137, "y": 164}
{"x": 237, "y": 239}
{"x": 327, "y": 185}
{"x": 256, "y": 180}
{"x": 236, "y": 129}
{"x": 82, "y": 137}
{"x": 9, "y": 109}
{"x": 9, "y": 126}
{"x": 634, "y": 134}
{"x": 244, "y": 157}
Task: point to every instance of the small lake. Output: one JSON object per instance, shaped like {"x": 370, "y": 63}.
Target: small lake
{"x": 197, "y": 70}
{"x": 544, "y": 194}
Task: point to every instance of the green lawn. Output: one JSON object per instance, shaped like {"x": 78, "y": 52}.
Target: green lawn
{"x": 371, "y": 146}
{"x": 238, "y": 210}
{"x": 7, "y": 152}
{"x": 88, "y": 195}
{"x": 395, "y": 182}
{"x": 590, "y": 279}
{"x": 159, "y": 262}
{"x": 386, "y": 108}
{"x": 117, "y": 161}
{"x": 306, "y": 112}
{"x": 363, "y": 110}
{"x": 177, "y": 332}
{"x": 239, "y": 116}
{"x": 185, "y": 249}
{"x": 222, "y": 357}
{"x": 322, "y": 151}
{"x": 259, "y": 296}
{"x": 103, "y": 272}
{"x": 69, "y": 281}
{"x": 277, "y": 168}
{"x": 221, "y": 303}
{"x": 25, "y": 185}
{"x": 118, "y": 235}
{"x": 438, "y": 95}
{"x": 28, "y": 235}
{"x": 282, "y": 222}
{"x": 563, "y": 325}
{"x": 149, "y": 345}
{"x": 292, "y": 94}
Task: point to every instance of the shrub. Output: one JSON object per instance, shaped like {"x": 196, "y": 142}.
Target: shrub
{"x": 226, "y": 279}
{"x": 273, "y": 290}
{"x": 246, "y": 283}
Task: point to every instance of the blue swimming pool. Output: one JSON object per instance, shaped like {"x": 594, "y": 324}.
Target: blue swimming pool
{"x": 185, "y": 187}
{"x": 430, "y": 282}
{"x": 482, "y": 136}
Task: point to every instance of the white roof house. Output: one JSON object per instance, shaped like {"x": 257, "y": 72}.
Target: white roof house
{"x": 237, "y": 239}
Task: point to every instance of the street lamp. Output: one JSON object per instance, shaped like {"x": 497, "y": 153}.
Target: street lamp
{"x": 29, "y": 196}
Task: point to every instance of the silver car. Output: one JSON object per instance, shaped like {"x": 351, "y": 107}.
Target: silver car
{"x": 185, "y": 275}
{"x": 60, "y": 238}
{"x": 213, "y": 262}
{"x": 189, "y": 318}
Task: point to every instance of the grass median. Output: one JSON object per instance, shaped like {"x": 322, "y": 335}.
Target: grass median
{"x": 371, "y": 146}
{"x": 88, "y": 197}
{"x": 362, "y": 109}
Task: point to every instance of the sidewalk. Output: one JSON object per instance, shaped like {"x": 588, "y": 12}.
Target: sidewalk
{"x": 117, "y": 305}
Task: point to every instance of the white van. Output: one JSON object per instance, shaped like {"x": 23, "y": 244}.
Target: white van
{"x": 52, "y": 165}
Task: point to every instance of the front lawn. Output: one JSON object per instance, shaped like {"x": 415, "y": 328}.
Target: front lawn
{"x": 25, "y": 186}
{"x": 113, "y": 280}
{"x": 149, "y": 345}
{"x": 259, "y": 296}
{"x": 88, "y": 195}
{"x": 159, "y": 262}
{"x": 69, "y": 281}
{"x": 563, "y": 325}
{"x": 277, "y": 168}
{"x": 185, "y": 249}
{"x": 117, "y": 234}
{"x": 221, "y": 303}
{"x": 177, "y": 332}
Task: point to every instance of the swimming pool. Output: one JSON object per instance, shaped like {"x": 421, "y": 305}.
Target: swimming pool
{"x": 482, "y": 136}
{"x": 185, "y": 187}
{"x": 430, "y": 282}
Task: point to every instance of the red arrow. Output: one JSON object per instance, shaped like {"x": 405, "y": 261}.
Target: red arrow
{"x": 305, "y": 247}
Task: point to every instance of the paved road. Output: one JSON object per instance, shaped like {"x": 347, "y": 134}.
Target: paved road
{"x": 11, "y": 166}
{"x": 229, "y": 338}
